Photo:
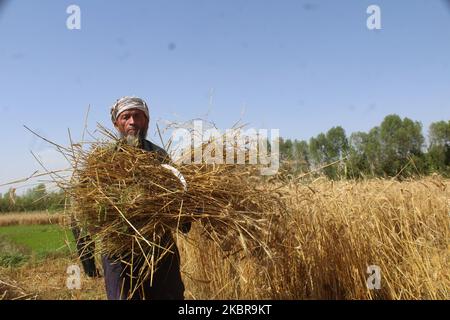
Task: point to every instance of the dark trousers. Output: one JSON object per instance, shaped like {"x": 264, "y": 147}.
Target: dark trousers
{"x": 167, "y": 283}
{"x": 85, "y": 248}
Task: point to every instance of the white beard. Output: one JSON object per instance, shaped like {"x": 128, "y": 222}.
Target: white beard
{"x": 134, "y": 140}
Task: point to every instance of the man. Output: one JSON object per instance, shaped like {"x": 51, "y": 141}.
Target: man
{"x": 130, "y": 116}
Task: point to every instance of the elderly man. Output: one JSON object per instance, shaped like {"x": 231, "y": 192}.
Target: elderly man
{"x": 130, "y": 116}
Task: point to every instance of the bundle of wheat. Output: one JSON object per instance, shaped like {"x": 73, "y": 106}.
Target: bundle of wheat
{"x": 129, "y": 199}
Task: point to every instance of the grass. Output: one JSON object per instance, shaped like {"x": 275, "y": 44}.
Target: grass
{"x": 34, "y": 261}
{"x": 39, "y": 240}
{"x": 11, "y": 254}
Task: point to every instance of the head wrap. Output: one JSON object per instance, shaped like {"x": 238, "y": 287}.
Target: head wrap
{"x": 127, "y": 103}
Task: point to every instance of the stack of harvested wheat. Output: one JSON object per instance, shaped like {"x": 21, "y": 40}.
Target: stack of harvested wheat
{"x": 127, "y": 199}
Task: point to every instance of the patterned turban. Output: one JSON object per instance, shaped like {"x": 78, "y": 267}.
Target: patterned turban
{"x": 126, "y": 103}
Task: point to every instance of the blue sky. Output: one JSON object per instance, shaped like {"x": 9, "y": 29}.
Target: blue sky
{"x": 299, "y": 66}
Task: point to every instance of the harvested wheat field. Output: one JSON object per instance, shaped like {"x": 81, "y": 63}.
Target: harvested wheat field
{"x": 41, "y": 217}
{"x": 46, "y": 280}
{"x": 321, "y": 247}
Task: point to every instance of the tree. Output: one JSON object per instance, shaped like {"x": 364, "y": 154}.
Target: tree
{"x": 286, "y": 149}
{"x": 439, "y": 149}
{"x": 294, "y": 156}
{"x": 301, "y": 156}
{"x": 2, "y": 204}
{"x": 400, "y": 140}
{"x": 439, "y": 133}
{"x": 338, "y": 143}
{"x": 318, "y": 148}
{"x": 328, "y": 148}
{"x": 358, "y": 162}
{"x": 33, "y": 199}
{"x": 373, "y": 152}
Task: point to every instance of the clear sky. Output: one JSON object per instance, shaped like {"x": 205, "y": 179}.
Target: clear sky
{"x": 299, "y": 66}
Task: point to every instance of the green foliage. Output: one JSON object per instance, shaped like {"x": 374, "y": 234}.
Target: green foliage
{"x": 35, "y": 199}
{"x": 438, "y": 157}
{"x": 359, "y": 162}
{"x": 11, "y": 254}
{"x": 400, "y": 141}
{"x": 294, "y": 156}
{"x": 12, "y": 259}
{"x": 394, "y": 148}
{"x": 38, "y": 240}
{"x": 301, "y": 156}
{"x": 439, "y": 133}
{"x": 328, "y": 148}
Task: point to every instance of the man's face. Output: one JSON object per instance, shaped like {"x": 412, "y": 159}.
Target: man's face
{"x": 132, "y": 122}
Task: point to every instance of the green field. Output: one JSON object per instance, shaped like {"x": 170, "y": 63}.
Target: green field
{"x": 20, "y": 243}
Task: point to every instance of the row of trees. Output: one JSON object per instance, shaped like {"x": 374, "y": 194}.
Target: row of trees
{"x": 35, "y": 199}
{"x": 394, "y": 148}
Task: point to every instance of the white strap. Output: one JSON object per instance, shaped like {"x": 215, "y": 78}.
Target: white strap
{"x": 177, "y": 174}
